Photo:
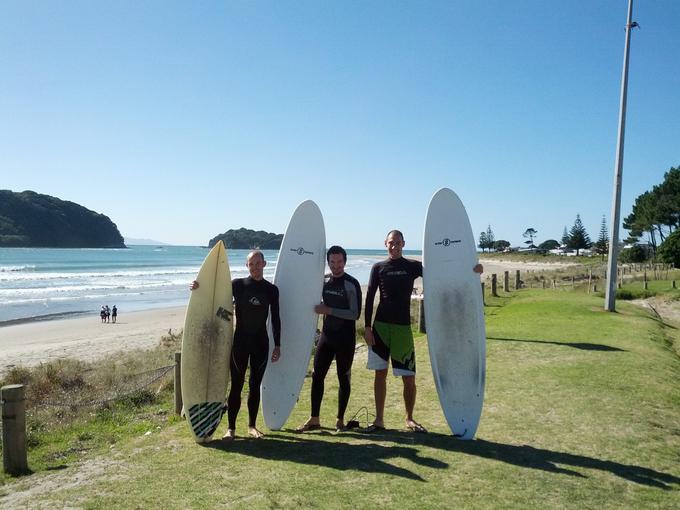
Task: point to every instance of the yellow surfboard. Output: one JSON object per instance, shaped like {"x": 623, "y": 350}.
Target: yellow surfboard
{"x": 206, "y": 346}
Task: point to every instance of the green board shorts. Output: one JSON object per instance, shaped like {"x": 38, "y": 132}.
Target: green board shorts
{"x": 395, "y": 342}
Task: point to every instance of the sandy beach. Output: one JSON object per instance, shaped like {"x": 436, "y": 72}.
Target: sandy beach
{"x": 85, "y": 338}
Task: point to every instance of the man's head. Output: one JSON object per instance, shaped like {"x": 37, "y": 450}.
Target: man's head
{"x": 336, "y": 256}
{"x": 255, "y": 262}
{"x": 394, "y": 242}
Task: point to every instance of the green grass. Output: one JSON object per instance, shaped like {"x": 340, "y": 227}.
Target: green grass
{"x": 582, "y": 410}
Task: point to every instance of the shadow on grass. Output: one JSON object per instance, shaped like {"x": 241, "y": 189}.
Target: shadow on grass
{"x": 537, "y": 458}
{"x": 365, "y": 457}
{"x": 372, "y": 457}
{"x": 576, "y": 345}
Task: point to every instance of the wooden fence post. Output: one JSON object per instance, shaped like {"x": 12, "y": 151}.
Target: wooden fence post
{"x": 483, "y": 295}
{"x": 590, "y": 279}
{"x": 644, "y": 280}
{"x": 494, "y": 290}
{"x": 178, "y": 383}
{"x": 421, "y": 317}
{"x": 506, "y": 281}
{"x": 518, "y": 281}
{"x": 674, "y": 285}
{"x": 14, "y": 458}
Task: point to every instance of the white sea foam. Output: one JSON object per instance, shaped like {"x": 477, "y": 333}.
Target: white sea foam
{"x": 84, "y": 275}
{"x": 12, "y": 269}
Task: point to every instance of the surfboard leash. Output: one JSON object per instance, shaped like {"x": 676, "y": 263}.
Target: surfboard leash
{"x": 355, "y": 423}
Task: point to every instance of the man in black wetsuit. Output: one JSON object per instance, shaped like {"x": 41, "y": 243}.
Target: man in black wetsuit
{"x": 254, "y": 297}
{"x": 341, "y": 307}
{"x": 390, "y": 336}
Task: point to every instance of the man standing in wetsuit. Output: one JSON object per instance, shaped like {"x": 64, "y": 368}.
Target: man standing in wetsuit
{"x": 341, "y": 307}
{"x": 254, "y": 297}
{"x": 390, "y": 336}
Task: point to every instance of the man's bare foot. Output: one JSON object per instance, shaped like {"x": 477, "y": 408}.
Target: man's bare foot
{"x": 376, "y": 426}
{"x": 311, "y": 424}
{"x": 254, "y": 433}
{"x": 339, "y": 424}
{"x": 414, "y": 426}
{"x": 230, "y": 435}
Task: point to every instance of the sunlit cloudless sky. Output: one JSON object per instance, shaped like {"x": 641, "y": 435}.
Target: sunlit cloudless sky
{"x": 180, "y": 120}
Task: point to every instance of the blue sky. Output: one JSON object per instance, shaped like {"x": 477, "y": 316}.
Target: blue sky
{"x": 180, "y": 120}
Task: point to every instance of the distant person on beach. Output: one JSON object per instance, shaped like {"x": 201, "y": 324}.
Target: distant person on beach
{"x": 341, "y": 308}
{"x": 114, "y": 314}
{"x": 108, "y": 313}
{"x": 254, "y": 298}
{"x": 102, "y": 313}
{"x": 389, "y": 337}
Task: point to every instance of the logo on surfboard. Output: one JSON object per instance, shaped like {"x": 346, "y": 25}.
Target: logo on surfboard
{"x": 447, "y": 242}
{"x": 302, "y": 251}
{"x": 224, "y": 314}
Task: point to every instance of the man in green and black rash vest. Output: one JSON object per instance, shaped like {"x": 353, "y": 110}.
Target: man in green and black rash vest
{"x": 390, "y": 336}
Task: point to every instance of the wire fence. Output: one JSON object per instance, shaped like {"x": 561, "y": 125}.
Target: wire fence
{"x": 132, "y": 385}
{"x": 590, "y": 277}
{"x": 86, "y": 395}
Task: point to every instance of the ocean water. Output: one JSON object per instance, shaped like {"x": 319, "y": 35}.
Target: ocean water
{"x": 45, "y": 283}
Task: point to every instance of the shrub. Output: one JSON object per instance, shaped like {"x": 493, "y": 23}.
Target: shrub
{"x": 635, "y": 254}
{"x": 629, "y": 294}
{"x": 669, "y": 251}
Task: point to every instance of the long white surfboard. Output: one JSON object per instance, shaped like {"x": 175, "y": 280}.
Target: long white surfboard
{"x": 299, "y": 277}
{"x": 454, "y": 313}
{"x": 206, "y": 346}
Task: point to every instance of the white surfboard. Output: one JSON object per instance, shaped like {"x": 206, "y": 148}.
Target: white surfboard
{"x": 206, "y": 346}
{"x": 454, "y": 313}
{"x": 299, "y": 278}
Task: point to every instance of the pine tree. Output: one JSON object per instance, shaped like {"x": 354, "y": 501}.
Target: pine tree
{"x": 530, "y": 233}
{"x": 578, "y": 237}
{"x": 482, "y": 241}
{"x": 490, "y": 238}
{"x": 602, "y": 244}
{"x": 565, "y": 237}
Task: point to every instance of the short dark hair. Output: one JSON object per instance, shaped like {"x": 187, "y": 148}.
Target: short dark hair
{"x": 395, "y": 232}
{"x": 335, "y": 250}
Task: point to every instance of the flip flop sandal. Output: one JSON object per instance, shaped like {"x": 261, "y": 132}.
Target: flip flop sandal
{"x": 307, "y": 427}
{"x": 417, "y": 427}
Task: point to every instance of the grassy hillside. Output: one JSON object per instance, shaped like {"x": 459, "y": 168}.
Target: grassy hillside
{"x": 582, "y": 410}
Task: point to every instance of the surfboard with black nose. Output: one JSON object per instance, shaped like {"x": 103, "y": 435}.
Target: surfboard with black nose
{"x": 299, "y": 278}
{"x": 454, "y": 313}
{"x": 206, "y": 346}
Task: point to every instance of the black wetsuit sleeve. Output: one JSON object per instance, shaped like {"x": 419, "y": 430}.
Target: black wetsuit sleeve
{"x": 370, "y": 296}
{"x": 353, "y": 300}
{"x": 276, "y": 319}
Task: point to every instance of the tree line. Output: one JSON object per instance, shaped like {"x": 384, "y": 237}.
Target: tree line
{"x": 576, "y": 239}
{"x": 654, "y": 220}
